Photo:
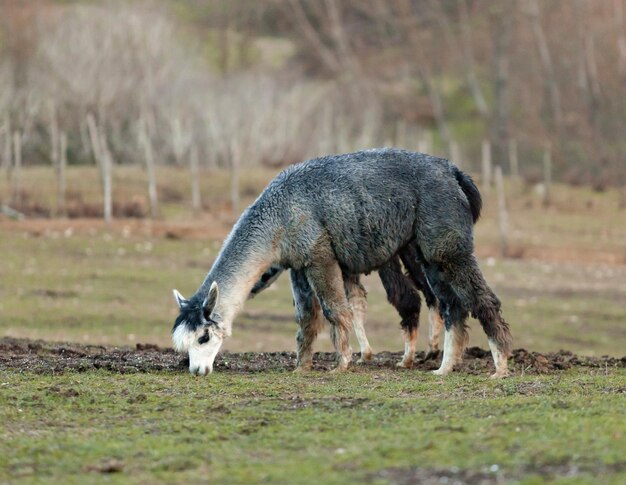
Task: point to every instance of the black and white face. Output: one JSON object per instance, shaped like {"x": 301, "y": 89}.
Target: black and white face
{"x": 196, "y": 333}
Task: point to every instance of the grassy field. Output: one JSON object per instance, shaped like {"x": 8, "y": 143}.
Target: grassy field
{"x": 78, "y": 280}
{"x": 279, "y": 427}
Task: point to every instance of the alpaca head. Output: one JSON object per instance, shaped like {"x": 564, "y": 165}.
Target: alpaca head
{"x": 197, "y": 330}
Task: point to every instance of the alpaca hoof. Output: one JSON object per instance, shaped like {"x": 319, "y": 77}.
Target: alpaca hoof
{"x": 339, "y": 369}
{"x": 365, "y": 357}
{"x": 432, "y": 355}
{"x": 441, "y": 372}
{"x": 500, "y": 374}
{"x": 303, "y": 368}
{"x": 406, "y": 364}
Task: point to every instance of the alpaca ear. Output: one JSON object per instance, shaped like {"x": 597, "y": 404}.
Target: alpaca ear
{"x": 211, "y": 300}
{"x": 180, "y": 299}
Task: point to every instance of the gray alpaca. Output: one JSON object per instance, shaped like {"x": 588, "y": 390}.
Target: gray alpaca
{"x": 402, "y": 292}
{"x": 350, "y": 214}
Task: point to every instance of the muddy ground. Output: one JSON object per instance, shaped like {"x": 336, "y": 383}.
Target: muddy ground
{"x": 47, "y": 357}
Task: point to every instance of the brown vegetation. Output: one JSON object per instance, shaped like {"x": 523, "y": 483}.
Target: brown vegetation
{"x": 276, "y": 82}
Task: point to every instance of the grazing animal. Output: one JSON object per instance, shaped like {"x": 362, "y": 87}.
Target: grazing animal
{"x": 349, "y": 214}
{"x": 402, "y": 292}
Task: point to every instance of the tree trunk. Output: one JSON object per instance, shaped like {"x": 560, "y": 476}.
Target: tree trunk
{"x": 486, "y": 167}
{"x": 60, "y": 172}
{"x": 178, "y": 141}
{"x": 196, "y": 201}
{"x": 107, "y": 160}
{"x": 84, "y": 137}
{"x": 425, "y": 143}
{"x": 17, "y": 169}
{"x": 348, "y": 59}
{"x": 436, "y": 103}
{"x": 618, "y": 8}
{"x": 513, "y": 161}
{"x": 7, "y": 160}
{"x": 455, "y": 154}
{"x": 326, "y": 55}
{"x": 146, "y": 143}
{"x": 549, "y": 76}
{"x": 234, "y": 176}
{"x": 503, "y": 217}
{"x": 103, "y": 160}
{"x": 547, "y": 175}
{"x": 54, "y": 153}
{"x": 415, "y": 44}
{"x": 223, "y": 42}
{"x": 500, "y": 120}
{"x": 468, "y": 61}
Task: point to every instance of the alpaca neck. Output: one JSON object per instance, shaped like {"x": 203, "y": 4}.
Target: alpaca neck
{"x": 246, "y": 254}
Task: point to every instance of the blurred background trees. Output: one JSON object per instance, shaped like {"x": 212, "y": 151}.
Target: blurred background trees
{"x": 235, "y": 83}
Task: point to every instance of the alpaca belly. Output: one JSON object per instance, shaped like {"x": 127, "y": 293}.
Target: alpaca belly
{"x": 367, "y": 248}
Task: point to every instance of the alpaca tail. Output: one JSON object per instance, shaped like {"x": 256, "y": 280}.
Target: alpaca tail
{"x": 471, "y": 192}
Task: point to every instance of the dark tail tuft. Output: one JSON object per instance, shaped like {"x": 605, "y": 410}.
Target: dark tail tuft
{"x": 471, "y": 192}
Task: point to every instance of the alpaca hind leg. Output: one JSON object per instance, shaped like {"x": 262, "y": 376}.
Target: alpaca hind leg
{"x": 309, "y": 318}
{"x": 487, "y": 309}
{"x": 454, "y": 314}
{"x": 465, "y": 279}
{"x": 403, "y": 295}
{"x": 410, "y": 256}
{"x": 326, "y": 279}
{"x": 435, "y": 326}
{"x": 455, "y": 337}
{"x": 357, "y": 298}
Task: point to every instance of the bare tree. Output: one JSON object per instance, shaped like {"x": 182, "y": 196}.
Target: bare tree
{"x": 500, "y": 118}
{"x": 103, "y": 160}
{"x": 234, "y": 176}
{"x": 468, "y": 60}
{"x": 513, "y": 161}
{"x": 55, "y": 157}
{"x": 618, "y": 9}
{"x": 486, "y": 167}
{"x": 7, "y": 155}
{"x": 146, "y": 143}
{"x": 196, "y": 201}
{"x": 547, "y": 175}
{"x": 326, "y": 55}
{"x": 17, "y": 169}
{"x": 61, "y": 169}
{"x": 407, "y": 19}
{"x": 549, "y": 76}
{"x": 503, "y": 217}
{"x": 347, "y": 56}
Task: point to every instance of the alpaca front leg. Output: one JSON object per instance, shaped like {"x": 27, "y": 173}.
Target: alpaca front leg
{"x": 304, "y": 350}
{"x": 340, "y": 335}
{"x": 326, "y": 280}
{"x": 357, "y": 297}
{"x": 309, "y": 318}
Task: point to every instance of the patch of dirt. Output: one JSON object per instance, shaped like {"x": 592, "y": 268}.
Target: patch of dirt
{"x": 108, "y": 466}
{"x": 46, "y": 357}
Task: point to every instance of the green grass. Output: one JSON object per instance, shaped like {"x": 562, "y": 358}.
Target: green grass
{"x": 288, "y": 428}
